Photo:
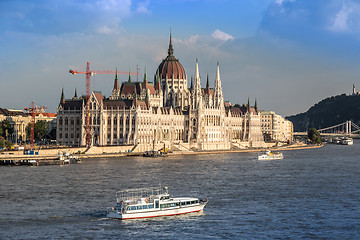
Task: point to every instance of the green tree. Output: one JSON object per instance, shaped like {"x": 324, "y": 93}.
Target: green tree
{"x": 2, "y": 143}
{"x": 52, "y": 134}
{"x": 41, "y": 129}
{"x": 314, "y": 136}
{"x": 6, "y": 128}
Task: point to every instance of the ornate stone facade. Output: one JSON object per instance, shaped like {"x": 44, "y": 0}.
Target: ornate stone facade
{"x": 149, "y": 115}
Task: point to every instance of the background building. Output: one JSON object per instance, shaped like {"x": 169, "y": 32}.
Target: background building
{"x": 19, "y": 120}
{"x": 275, "y": 127}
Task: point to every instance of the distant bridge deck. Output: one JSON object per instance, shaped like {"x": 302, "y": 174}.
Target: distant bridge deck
{"x": 345, "y": 129}
{"x": 353, "y": 135}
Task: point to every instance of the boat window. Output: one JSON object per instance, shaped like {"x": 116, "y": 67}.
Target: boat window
{"x": 128, "y": 208}
{"x": 145, "y": 207}
{"x": 133, "y": 208}
{"x": 183, "y": 203}
{"x": 192, "y": 202}
{"x": 187, "y": 203}
{"x": 151, "y": 206}
{"x": 139, "y": 207}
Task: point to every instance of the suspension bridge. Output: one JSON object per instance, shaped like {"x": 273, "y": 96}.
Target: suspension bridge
{"x": 345, "y": 129}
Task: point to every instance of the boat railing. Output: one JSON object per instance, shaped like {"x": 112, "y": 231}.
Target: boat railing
{"x": 134, "y": 195}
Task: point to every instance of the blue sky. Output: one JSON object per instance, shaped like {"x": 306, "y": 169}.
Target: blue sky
{"x": 287, "y": 54}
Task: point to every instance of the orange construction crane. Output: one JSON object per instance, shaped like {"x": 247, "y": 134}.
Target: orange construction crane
{"x": 90, "y": 73}
{"x": 33, "y": 112}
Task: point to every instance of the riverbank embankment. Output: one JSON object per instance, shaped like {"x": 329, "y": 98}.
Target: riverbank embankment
{"x": 125, "y": 151}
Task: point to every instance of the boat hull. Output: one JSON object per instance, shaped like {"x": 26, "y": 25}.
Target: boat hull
{"x": 156, "y": 213}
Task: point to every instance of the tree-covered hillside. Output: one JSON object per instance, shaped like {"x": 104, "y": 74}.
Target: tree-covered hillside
{"x": 328, "y": 112}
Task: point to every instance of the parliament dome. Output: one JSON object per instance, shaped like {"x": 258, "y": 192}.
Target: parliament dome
{"x": 170, "y": 67}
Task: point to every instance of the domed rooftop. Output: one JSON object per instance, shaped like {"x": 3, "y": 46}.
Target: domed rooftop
{"x": 170, "y": 66}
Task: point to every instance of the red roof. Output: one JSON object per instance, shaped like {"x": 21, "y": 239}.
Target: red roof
{"x": 46, "y": 114}
{"x": 136, "y": 87}
{"x": 99, "y": 97}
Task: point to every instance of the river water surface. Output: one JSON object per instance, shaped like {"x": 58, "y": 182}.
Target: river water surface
{"x": 310, "y": 194}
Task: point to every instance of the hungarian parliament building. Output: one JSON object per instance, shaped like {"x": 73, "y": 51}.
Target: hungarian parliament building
{"x": 166, "y": 112}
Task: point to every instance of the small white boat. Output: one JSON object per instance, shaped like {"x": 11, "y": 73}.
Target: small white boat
{"x": 67, "y": 158}
{"x": 346, "y": 141}
{"x": 152, "y": 202}
{"x": 270, "y": 155}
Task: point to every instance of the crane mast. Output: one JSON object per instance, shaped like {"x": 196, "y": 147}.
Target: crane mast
{"x": 88, "y": 73}
{"x": 32, "y": 111}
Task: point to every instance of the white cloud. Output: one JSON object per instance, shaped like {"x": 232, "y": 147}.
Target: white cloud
{"x": 347, "y": 18}
{"x": 280, "y": 2}
{"x": 143, "y": 7}
{"x": 219, "y": 35}
{"x": 340, "y": 23}
{"x": 114, "y": 5}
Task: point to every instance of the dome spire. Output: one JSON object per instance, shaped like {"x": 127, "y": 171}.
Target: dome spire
{"x": 171, "y": 50}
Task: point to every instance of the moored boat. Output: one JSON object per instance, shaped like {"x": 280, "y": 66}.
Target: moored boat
{"x": 270, "y": 155}
{"x": 153, "y": 153}
{"x": 346, "y": 141}
{"x": 152, "y": 202}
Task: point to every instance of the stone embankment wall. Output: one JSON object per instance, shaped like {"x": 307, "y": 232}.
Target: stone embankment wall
{"x": 54, "y": 152}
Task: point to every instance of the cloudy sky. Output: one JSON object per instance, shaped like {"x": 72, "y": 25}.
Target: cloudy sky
{"x": 287, "y": 54}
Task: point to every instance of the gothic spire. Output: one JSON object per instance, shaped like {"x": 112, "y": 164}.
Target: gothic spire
{"x": 145, "y": 77}
{"x": 256, "y": 106}
{"x": 157, "y": 83}
{"x": 75, "y": 95}
{"x": 207, "y": 81}
{"x": 116, "y": 82}
{"x": 62, "y": 98}
{"x": 129, "y": 76}
{"x": 218, "y": 94}
{"x": 207, "y": 89}
{"x": 196, "y": 91}
{"x": 248, "y": 105}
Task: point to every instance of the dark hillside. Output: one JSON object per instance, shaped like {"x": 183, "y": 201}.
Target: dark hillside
{"x": 328, "y": 112}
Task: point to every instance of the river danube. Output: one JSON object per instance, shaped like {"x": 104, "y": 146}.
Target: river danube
{"x": 310, "y": 194}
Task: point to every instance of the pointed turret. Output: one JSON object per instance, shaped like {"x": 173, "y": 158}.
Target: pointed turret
{"x": 62, "y": 98}
{"x": 207, "y": 89}
{"x": 248, "y": 105}
{"x": 157, "y": 82}
{"x": 191, "y": 83}
{"x": 256, "y": 106}
{"x": 218, "y": 94}
{"x": 129, "y": 80}
{"x": 145, "y": 82}
{"x": 116, "y": 82}
{"x": 75, "y": 95}
{"x": 196, "y": 91}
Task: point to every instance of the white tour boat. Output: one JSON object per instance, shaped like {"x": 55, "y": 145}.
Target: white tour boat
{"x": 152, "y": 202}
{"x": 270, "y": 155}
{"x": 346, "y": 141}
